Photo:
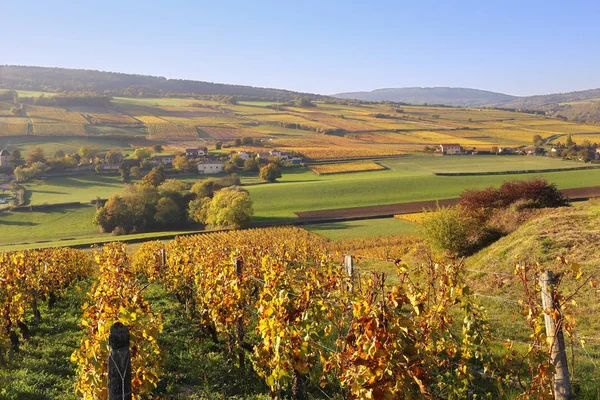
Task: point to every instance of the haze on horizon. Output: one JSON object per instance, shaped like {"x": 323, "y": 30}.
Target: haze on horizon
{"x": 321, "y": 47}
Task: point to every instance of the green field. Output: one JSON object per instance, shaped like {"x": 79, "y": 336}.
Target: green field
{"x": 364, "y": 228}
{"x": 35, "y": 226}
{"x": 305, "y": 191}
{"x": 82, "y": 188}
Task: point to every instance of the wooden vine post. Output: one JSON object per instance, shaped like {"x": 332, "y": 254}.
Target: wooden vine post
{"x": 349, "y": 266}
{"x": 240, "y": 321}
{"x": 554, "y": 333}
{"x": 119, "y": 363}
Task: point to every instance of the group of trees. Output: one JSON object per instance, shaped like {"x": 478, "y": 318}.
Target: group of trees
{"x": 585, "y": 152}
{"x": 159, "y": 203}
{"x": 483, "y": 216}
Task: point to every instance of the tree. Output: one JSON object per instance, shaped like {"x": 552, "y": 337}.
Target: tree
{"x": 124, "y": 171}
{"x": 113, "y": 156}
{"x": 229, "y": 167}
{"x": 494, "y": 149}
{"x": 251, "y": 165}
{"x": 154, "y": 177}
{"x": 36, "y": 155}
{"x": 87, "y": 153}
{"x": 237, "y": 142}
{"x": 167, "y": 212}
{"x": 135, "y": 172}
{"x": 229, "y": 207}
{"x": 218, "y": 145}
{"x": 181, "y": 163}
{"x": 204, "y": 188}
{"x": 246, "y": 140}
{"x": 171, "y": 188}
{"x": 569, "y": 142}
{"x": 59, "y": 154}
{"x": 198, "y": 208}
{"x": 270, "y": 173}
{"x": 157, "y": 148}
{"x": 15, "y": 158}
{"x": 537, "y": 140}
{"x": 304, "y": 102}
{"x": 142, "y": 154}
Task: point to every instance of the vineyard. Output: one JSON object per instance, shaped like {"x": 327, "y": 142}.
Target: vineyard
{"x": 322, "y": 132}
{"x": 282, "y": 307}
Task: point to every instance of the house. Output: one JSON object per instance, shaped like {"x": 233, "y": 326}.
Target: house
{"x": 529, "y": 150}
{"x": 450, "y": 148}
{"x": 210, "y": 167}
{"x": 506, "y": 150}
{"x": 244, "y": 155}
{"x": 275, "y": 153}
{"x": 4, "y": 156}
{"x": 284, "y": 155}
{"x": 597, "y": 153}
{"x": 264, "y": 155}
{"x": 194, "y": 152}
{"x": 164, "y": 160}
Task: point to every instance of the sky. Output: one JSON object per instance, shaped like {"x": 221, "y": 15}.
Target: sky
{"x": 522, "y": 47}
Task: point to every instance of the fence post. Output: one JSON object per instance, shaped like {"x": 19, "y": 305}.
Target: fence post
{"x": 163, "y": 257}
{"x": 558, "y": 354}
{"x": 349, "y": 266}
{"x": 119, "y": 363}
{"x": 240, "y": 321}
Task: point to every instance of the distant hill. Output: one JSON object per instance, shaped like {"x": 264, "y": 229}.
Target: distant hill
{"x": 132, "y": 85}
{"x": 461, "y": 97}
{"x": 550, "y": 100}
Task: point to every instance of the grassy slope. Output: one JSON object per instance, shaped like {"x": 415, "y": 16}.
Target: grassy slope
{"x": 570, "y": 232}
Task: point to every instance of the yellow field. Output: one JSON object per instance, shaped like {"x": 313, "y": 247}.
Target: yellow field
{"x": 49, "y": 115}
{"x": 342, "y": 168}
{"x": 150, "y": 119}
{"x": 110, "y": 119}
{"x": 417, "y": 218}
{"x": 228, "y": 133}
{"x": 167, "y": 130}
{"x": 13, "y": 126}
{"x": 58, "y": 129}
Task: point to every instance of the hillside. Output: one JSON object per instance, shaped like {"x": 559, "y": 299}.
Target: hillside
{"x": 66, "y": 79}
{"x": 461, "y": 97}
{"x": 573, "y": 232}
{"x": 549, "y": 100}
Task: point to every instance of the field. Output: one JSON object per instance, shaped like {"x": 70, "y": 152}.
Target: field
{"x": 361, "y": 131}
{"x": 363, "y": 228}
{"x": 407, "y": 179}
{"x": 342, "y": 168}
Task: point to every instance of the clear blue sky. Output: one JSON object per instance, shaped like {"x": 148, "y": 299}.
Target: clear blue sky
{"x": 517, "y": 47}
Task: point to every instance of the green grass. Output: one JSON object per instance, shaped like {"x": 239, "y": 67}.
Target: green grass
{"x": 300, "y": 190}
{"x": 364, "y": 228}
{"x": 82, "y": 188}
{"x": 475, "y": 164}
{"x": 34, "y": 226}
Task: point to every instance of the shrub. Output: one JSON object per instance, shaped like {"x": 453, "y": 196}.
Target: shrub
{"x": 448, "y": 228}
{"x": 532, "y": 193}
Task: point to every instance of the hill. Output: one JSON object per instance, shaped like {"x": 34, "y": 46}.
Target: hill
{"x": 460, "y": 97}
{"x": 131, "y": 85}
{"x": 550, "y": 100}
{"x": 572, "y": 232}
